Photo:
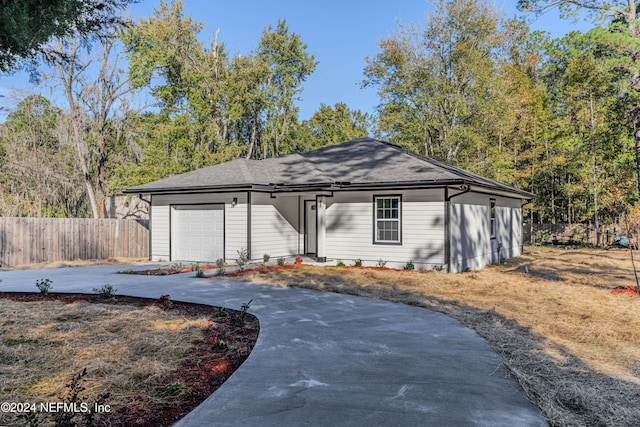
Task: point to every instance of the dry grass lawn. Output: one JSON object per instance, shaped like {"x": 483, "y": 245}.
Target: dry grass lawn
{"x": 572, "y": 344}
{"x": 124, "y": 348}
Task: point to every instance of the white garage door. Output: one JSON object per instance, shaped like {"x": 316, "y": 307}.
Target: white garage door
{"x": 197, "y": 233}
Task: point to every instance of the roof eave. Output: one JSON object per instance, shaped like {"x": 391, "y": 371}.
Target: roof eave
{"x": 194, "y": 189}
{"x": 329, "y": 186}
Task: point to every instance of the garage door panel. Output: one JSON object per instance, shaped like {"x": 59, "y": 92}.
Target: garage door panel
{"x": 198, "y": 233}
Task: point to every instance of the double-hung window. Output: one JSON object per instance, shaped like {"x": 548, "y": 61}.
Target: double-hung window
{"x": 387, "y": 219}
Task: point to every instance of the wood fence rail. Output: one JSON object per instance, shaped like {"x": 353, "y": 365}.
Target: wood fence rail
{"x": 26, "y": 241}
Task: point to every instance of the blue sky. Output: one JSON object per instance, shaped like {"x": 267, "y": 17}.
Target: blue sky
{"x": 341, "y": 34}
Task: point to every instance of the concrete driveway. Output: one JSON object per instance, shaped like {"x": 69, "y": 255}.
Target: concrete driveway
{"x": 326, "y": 359}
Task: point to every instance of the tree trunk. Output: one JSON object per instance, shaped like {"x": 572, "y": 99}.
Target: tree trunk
{"x": 636, "y": 140}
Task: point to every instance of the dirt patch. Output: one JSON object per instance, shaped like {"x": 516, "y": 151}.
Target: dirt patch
{"x": 156, "y": 365}
{"x": 570, "y": 342}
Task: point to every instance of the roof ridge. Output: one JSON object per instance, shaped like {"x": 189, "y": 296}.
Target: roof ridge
{"x": 244, "y": 170}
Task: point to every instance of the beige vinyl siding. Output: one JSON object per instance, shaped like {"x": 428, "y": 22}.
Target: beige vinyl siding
{"x": 350, "y": 231}
{"x": 235, "y": 221}
{"x": 471, "y": 244}
{"x": 274, "y": 225}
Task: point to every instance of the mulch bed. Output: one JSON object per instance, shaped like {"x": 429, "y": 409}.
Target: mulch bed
{"x": 268, "y": 269}
{"x": 629, "y": 290}
{"x": 203, "y": 371}
{"x": 165, "y": 271}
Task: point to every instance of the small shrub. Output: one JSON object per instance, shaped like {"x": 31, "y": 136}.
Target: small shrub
{"x": 243, "y": 258}
{"x": 298, "y": 259}
{"x": 357, "y": 263}
{"x": 199, "y": 273}
{"x": 195, "y": 267}
{"x": 44, "y": 286}
{"x": 172, "y": 390}
{"x": 165, "y": 302}
{"x": 382, "y": 263}
{"x": 106, "y": 291}
{"x": 237, "y": 319}
{"x": 177, "y": 266}
{"x": 220, "y": 265}
{"x": 266, "y": 258}
{"x": 438, "y": 267}
{"x": 73, "y": 400}
{"x": 218, "y": 345}
{"x": 281, "y": 261}
{"x": 409, "y": 266}
{"x": 341, "y": 264}
{"x": 222, "y": 312}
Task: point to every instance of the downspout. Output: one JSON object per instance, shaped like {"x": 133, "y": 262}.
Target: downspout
{"x": 249, "y": 224}
{"x": 447, "y": 221}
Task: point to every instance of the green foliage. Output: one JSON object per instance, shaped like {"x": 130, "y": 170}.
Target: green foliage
{"x": 38, "y": 175}
{"x": 172, "y": 390}
{"x": 331, "y": 125}
{"x": 409, "y": 266}
{"x": 44, "y": 286}
{"x": 106, "y": 291}
{"x": 439, "y": 82}
{"x": 357, "y": 263}
{"x": 281, "y": 261}
{"x": 238, "y": 318}
{"x": 218, "y": 345}
{"x": 220, "y": 264}
{"x": 243, "y": 258}
{"x": 165, "y": 302}
{"x": 222, "y": 106}
{"x": 27, "y": 25}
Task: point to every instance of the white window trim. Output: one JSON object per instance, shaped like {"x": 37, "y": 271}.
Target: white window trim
{"x": 398, "y": 220}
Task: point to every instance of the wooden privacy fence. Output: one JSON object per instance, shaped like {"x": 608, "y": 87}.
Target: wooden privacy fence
{"x": 32, "y": 240}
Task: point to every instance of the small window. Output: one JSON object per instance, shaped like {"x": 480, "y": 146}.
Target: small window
{"x": 387, "y": 219}
{"x": 492, "y": 224}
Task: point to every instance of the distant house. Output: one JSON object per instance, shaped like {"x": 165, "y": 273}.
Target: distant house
{"x": 361, "y": 199}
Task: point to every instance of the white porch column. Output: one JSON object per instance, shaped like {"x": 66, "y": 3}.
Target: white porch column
{"x": 321, "y": 228}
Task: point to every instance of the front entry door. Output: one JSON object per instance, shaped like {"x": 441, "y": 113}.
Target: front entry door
{"x": 310, "y": 220}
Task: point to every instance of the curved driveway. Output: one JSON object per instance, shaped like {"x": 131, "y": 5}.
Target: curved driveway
{"x": 325, "y": 359}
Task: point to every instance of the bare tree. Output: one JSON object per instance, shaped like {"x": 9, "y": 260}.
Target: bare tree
{"x": 97, "y": 92}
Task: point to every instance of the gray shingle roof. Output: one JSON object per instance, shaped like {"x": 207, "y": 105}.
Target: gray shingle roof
{"x": 362, "y": 162}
